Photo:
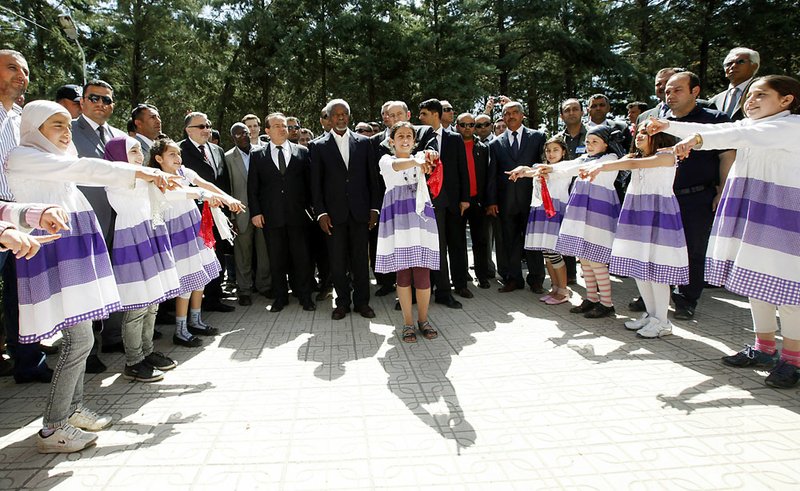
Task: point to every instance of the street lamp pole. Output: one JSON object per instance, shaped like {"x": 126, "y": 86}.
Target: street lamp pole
{"x": 71, "y": 31}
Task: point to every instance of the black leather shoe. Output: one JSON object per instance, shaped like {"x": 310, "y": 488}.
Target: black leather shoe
{"x": 339, "y": 313}
{"x": 366, "y": 311}
{"x": 483, "y": 284}
{"x": 192, "y": 342}
{"x": 308, "y": 305}
{"x": 637, "y": 305}
{"x": 449, "y": 302}
{"x": 684, "y": 313}
{"x": 384, "y": 290}
{"x": 218, "y": 307}
{"x": 245, "y": 300}
{"x": 113, "y": 348}
{"x": 94, "y": 365}
{"x": 464, "y": 292}
{"x": 584, "y": 307}
{"x": 599, "y": 311}
{"x": 538, "y": 289}
{"x": 510, "y": 286}
{"x": 278, "y": 305}
{"x": 203, "y": 331}
{"x": 43, "y": 375}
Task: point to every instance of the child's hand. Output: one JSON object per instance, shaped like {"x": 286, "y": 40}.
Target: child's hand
{"x": 656, "y": 125}
{"x": 432, "y": 156}
{"x": 521, "y": 171}
{"x": 23, "y": 245}
{"x": 590, "y": 171}
{"x": 54, "y": 219}
{"x": 234, "y": 205}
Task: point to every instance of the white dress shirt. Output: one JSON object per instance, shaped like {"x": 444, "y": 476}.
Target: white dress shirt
{"x": 287, "y": 153}
{"x": 520, "y": 132}
{"x": 106, "y": 129}
{"x": 739, "y": 94}
{"x": 343, "y": 142}
{"x": 245, "y": 158}
{"x": 209, "y": 157}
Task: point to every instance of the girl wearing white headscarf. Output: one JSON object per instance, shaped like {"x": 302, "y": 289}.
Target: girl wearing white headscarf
{"x": 70, "y": 282}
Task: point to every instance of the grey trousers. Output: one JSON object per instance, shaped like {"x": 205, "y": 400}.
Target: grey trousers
{"x": 137, "y": 333}
{"x": 249, "y": 240}
{"x": 66, "y": 389}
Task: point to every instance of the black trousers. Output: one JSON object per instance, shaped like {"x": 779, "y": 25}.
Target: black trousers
{"x": 452, "y": 245}
{"x": 514, "y": 225}
{"x": 212, "y": 293}
{"x": 384, "y": 279}
{"x": 697, "y": 220}
{"x": 28, "y": 358}
{"x": 288, "y": 246}
{"x": 476, "y": 217}
{"x": 317, "y": 244}
{"x": 348, "y": 248}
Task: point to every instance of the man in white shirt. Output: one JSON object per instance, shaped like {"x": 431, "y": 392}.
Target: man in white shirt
{"x": 147, "y": 121}
{"x": 741, "y": 65}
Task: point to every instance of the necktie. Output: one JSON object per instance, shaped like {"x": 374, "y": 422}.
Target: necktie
{"x": 733, "y": 99}
{"x": 281, "y": 160}
{"x": 102, "y": 134}
{"x": 514, "y": 144}
{"x": 202, "y": 149}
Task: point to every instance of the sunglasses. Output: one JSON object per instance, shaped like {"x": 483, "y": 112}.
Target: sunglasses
{"x": 94, "y": 98}
{"x": 201, "y": 126}
{"x": 293, "y": 127}
{"x": 482, "y": 125}
{"x": 740, "y": 61}
{"x": 466, "y": 125}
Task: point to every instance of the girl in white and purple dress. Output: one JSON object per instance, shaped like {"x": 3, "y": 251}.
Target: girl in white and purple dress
{"x": 755, "y": 241}
{"x": 143, "y": 266}
{"x": 543, "y": 229}
{"x": 650, "y": 244}
{"x": 408, "y": 242}
{"x": 195, "y": 262}
{"x": 70, "y": 282}
{"x": 590, "y": 221}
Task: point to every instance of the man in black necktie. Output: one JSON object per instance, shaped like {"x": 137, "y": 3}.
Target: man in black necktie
{"x": 279, "y": 194}
{"x": 344, "y": 188}
{"x": 208, "y": 160}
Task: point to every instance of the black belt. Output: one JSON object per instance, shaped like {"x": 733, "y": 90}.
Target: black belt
{"x": 692, "y": 190}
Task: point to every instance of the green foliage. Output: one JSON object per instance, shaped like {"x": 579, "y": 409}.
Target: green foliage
{"x": 231, "y": 57}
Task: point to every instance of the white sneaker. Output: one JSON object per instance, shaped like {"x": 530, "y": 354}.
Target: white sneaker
{"x": 655, "y": 329}
{"x": 88, "y": 420}
{"x": 66, "y": 439}
{"x": 638, "y": 323}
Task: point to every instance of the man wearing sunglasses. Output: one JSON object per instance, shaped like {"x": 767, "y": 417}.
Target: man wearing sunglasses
{"x": 448, "y": 116}
{"x": 208, "y": 160}
{"x": 741, "y": 65}
{"x": 293, "y": 125}
{"x": 90, "y": 132}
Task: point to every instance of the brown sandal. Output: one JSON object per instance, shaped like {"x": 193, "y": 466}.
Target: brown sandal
{"x": 408, "y": 334}
{"x": 428, "y": 332}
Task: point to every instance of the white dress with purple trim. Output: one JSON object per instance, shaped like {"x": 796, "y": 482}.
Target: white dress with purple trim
{"x": 650, "y": 244}
{"x": 590, "y": 220}
{"x": 195, "y": 263}
{"x": 142, "y": 254}
{"x": 542, "y": 231}
{"x": 755, "y": 241}
{"x": 70, "y": 280}
{"x": 407, "y": 234}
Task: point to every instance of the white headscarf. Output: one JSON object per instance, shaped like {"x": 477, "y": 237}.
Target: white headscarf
{"x": 34, "y": 115}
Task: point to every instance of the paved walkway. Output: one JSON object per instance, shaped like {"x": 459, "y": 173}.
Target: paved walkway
{"x": 513, "y": 395}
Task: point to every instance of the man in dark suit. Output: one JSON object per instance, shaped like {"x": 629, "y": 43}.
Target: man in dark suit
{"x": 344, "y": 190}
{"x": 90, "y": 132}
{"x": 147, "y": 121}
{"x": 392, "y": 113}
{"x": 449, "y": 205}
{"x": 477, "y": 167}
{"x": 208, "y": 160}
{"x": 278, "y": 189}
{"x": 741, "y": 66}
{"x": 518, "y": 145}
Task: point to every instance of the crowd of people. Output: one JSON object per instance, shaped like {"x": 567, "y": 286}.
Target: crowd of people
{"x": 133, "y": 229}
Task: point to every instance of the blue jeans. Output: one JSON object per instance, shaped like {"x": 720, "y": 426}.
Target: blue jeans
{"x": 28, "y": 358}
{"x": 66, "y": 389}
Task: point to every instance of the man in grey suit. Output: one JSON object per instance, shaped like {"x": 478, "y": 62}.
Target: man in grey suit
{"x": 741, "y": 66}
{"x": 90, "y": 132}
{"x": 147, "y": 121}
{"x": 248, "y": 240}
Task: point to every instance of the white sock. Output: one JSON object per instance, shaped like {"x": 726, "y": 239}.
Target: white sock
{"x": 180, "y": 328}
{"x": 661, "y": 299}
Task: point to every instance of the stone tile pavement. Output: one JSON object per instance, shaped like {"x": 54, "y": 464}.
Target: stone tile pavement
{"x": 513, "y": 395}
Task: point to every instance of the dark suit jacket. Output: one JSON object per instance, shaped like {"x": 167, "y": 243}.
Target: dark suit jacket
{"x": 512, "y": 197}
{"x": 480, "y": 154}
{"x": 455, "y": 186}
{"x": 343, "y": 190}
{"x": 193, "y": 159}
{"x": 88, "y": 144}
{"x": 282, "y": 199}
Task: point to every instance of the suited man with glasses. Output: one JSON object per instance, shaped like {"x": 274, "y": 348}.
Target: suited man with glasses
{"x": 208, "y": 160}
{"x": 741, "y": 66}
{"x": 294, "y": 127}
